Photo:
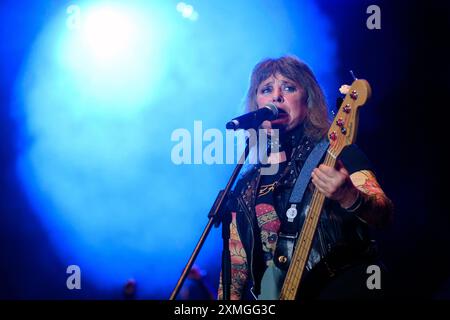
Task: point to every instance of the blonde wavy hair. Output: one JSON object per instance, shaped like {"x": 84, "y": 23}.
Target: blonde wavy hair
{"x": 316, "y": 122}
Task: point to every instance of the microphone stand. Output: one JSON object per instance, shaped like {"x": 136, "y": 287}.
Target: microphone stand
{"x": 216, "y": 215}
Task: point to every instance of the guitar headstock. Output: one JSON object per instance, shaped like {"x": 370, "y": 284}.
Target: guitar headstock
{"x": 345, "y": 125}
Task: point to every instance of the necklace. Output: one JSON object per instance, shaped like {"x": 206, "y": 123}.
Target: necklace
{"x": 267, "y": 188}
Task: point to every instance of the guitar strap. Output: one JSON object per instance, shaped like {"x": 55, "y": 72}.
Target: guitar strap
{"x": 289, "y": 229}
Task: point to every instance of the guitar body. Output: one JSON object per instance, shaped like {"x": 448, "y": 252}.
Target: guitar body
{"x": 271, "y": 283}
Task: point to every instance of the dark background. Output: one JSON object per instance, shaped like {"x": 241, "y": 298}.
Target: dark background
{"x": 406, "y": 65}
{"x": 408, "y": 72}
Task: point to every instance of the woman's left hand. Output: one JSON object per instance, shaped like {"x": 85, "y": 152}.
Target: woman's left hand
{"x": 335, "y": 183}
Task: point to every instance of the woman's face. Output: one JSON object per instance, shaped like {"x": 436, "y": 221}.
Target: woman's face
{"x": 287, "y": 96}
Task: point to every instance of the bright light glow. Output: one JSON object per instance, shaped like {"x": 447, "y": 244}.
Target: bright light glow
{"x": 194, "y": 16}
{"x": 111, "y": 34}
{"x": 187, "y": 11}
{"x": 181, "y": 6}
{"x": 115, "y": 57}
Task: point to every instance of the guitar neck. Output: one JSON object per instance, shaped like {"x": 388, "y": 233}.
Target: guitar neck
{"x": 303, "y": 246}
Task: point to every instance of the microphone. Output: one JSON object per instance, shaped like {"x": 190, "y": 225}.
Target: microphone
{"x": 254, "y": 119}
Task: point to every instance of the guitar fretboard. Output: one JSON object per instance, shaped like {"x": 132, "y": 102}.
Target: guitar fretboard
{"x": 303, "y": 246}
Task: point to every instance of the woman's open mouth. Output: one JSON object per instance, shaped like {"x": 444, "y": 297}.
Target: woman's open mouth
{"x": 283, "y": 117}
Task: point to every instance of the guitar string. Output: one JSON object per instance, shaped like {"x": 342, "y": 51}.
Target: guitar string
{"x": 317, "y": 202}
{"x": 307, "y": 236}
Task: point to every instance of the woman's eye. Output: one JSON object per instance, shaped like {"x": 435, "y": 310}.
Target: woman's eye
{"x": 266, "y": 90}
{"x": 290, "y": 88}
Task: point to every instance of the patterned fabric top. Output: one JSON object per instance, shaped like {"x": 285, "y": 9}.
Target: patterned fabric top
{"x": 269, "y": 225}
{"x": 268, "y": 220}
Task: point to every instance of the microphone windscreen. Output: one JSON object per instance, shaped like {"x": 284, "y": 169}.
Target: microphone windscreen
{"x": 273, "y": 108}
